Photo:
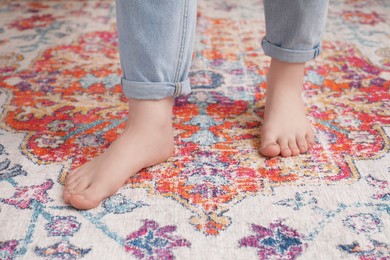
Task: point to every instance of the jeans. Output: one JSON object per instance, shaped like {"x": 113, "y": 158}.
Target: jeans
{"x": 156, "y": 39}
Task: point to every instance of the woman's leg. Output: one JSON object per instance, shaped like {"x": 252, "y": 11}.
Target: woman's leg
{"x": 293, "y": 36}
{"x": 155, "y": 45}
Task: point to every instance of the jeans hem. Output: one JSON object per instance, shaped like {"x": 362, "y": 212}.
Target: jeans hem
{"x": 154, "y": 90}
{"x": 289, "y": 55}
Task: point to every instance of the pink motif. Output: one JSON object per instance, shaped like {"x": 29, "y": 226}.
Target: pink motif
{"x": 7, "y": 249}
{"x": 25, "y": 195}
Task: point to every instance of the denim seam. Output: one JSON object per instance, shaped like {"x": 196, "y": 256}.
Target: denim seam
{"x": 178, "y": 89}
{"x": 318, "y": 50}
{"x": 182, "y": 43}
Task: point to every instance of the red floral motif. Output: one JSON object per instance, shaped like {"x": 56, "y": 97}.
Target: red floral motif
{"x": 33, "y": 22}
{"x": 362, "y": 18}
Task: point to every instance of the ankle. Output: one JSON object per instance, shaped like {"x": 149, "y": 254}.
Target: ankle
{"x": 285, "y": 74}
{"x": 150, "y": 113}
{"x": 151, "y": 106}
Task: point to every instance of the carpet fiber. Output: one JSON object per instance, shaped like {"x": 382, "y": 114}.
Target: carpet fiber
{"x": 217, "y": 198}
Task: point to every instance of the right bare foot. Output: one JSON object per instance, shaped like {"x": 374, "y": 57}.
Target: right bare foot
{"x": 147, "y": 140}
{"x": 286, "y": 130}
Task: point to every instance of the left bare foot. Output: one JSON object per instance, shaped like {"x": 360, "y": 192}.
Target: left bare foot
{"x": 147, "y": 140}
{"x": 286, "y": 130}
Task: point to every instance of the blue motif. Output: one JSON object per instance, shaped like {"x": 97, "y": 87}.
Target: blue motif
{"x": 108, "y": 82}
{"x": 300, "y": 200}
{"x": 149, "y": 242}
{"x": 211, "y": 79}
{"x": 314, "y": 78}
{"x": 119, "y": 204}
{"x": 281, "y": 242}
{"x": 7, "y": 172}
{"x": 204, "y": 136}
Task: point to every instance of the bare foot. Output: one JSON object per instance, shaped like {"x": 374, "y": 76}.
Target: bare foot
{"x": 147, "y": 140}
{"x": 286, "y": 129}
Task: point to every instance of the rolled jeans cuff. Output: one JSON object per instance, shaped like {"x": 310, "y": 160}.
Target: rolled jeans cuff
{"x": 289, "y": 55}
{"x": 155, "y": 90}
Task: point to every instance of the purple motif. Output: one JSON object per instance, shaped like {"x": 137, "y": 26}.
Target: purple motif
{"x": 7, "y": 249}
{"x": 26, "y": 194}
{"x": 154, "y": 242}
{"x": 277, "y": 242}
{"x": 90, "y": 140}
{"x": 62, "y": 226}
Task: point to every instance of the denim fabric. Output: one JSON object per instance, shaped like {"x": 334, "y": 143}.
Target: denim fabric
{"x": 156, "y": 39}
{"x": 294, "y": 29}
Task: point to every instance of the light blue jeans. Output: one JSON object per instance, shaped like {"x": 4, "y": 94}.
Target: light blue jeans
{"x": 156, "y": 39}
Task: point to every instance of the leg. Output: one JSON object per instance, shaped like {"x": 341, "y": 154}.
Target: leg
{"x": 155, "y": 46}
{"x": 294, "y": 30}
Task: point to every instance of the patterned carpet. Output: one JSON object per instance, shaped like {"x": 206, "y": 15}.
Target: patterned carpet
{"x": 217, "y": 198}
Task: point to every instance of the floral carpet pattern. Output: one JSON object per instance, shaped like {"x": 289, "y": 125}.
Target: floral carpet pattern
{"x": 61, "y": 105}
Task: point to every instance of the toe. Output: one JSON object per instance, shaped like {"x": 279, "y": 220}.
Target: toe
{"x": 270, "y": 150}
{"x": 310, "y": 139}
{"x": 76, "y": 187}
{"x": 292, "y": 144}
{"x": 269, "y": 147}
{"x": 66, "y": 196}
{"x": 91, "y": 197}
{"x": 70, "y": 187}
{"x": 302, "y": 144}
{"x": 73, "y": 176}
{"x": 284, "y": 148}
{"x": 81, "y": 202}
{"x": 79, "y": 186}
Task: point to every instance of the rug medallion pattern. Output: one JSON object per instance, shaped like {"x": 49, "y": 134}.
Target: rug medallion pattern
{"x": 62, "y": 105}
